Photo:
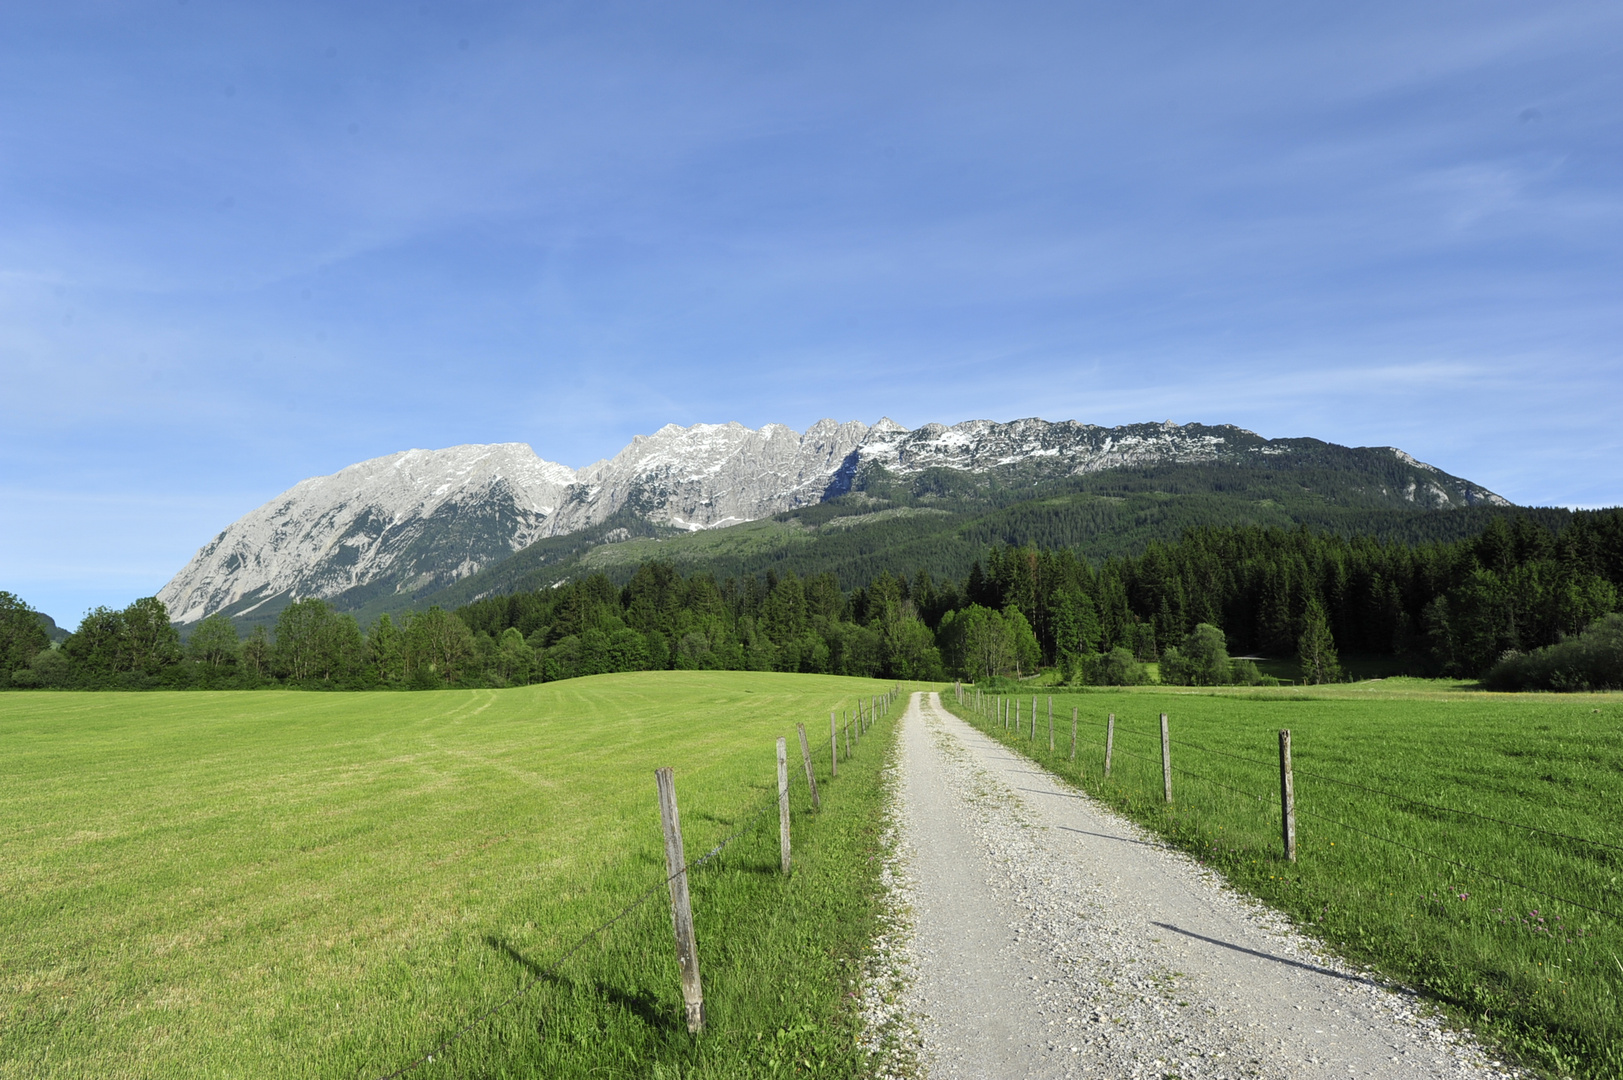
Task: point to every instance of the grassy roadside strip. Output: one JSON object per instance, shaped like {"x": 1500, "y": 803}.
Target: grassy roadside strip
{"x": 1539, "y": 978}
{"x": 778, "y": 956}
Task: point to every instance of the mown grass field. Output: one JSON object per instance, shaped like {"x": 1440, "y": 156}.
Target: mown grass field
{"x": 327, "y": 885}
{"x": 1541, "y": 977}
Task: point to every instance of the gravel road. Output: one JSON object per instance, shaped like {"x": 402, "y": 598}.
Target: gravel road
{"x": 1043, "y": 936}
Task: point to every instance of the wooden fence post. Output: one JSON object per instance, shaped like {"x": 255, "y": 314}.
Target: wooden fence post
{"x": 1287, "y": 795}
{"x": 676, "y": 869}
{"x": 1050, "y": 723}
{"x": 1033, "y": 717}
{"x": 811, "y": 773}
{"x": 783, "y": 802}
{"x": 833, "y": 746}
{"x": 1110, "y": 742}
{"x": 1073, "y": 732}
{"x": 848, "y": 738}
{"x": 1166, "y": 758}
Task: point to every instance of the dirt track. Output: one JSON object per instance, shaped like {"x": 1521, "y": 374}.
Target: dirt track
{"x": 1052, "y": 938}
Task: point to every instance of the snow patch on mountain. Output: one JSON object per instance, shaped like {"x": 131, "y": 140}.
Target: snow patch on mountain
{"x": 425, "y": 518}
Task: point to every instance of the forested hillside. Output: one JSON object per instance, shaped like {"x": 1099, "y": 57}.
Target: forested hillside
{"x": 1453, "y": 607}
{"x": 943, "y": 520}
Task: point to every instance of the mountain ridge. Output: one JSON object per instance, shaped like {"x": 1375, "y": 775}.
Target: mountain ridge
{"x": 417, "y": 521}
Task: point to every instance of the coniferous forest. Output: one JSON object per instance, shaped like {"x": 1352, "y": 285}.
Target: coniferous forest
{"x": 1521, "y": 604}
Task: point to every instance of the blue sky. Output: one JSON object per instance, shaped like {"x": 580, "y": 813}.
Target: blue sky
{"x": 242, "y": 244}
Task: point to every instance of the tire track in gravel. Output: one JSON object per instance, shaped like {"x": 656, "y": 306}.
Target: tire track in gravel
{"x": 1052, "y": 938}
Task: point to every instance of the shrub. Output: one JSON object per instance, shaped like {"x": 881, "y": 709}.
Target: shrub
{"x": 1592, "y": 660}
{"x": 1246, "y": 673}
{"x": 1118, "y": 667}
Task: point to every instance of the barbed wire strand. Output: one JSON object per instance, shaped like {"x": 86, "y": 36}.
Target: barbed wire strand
{"x": 1410, "y": 847}
{"x": 1452, "y": 810}
{"x": 1120, "y": 729}
{"x": 647, "y": 894}
{"x": 1464, "y": 866}
{"x": 1238, "y": 791}
{"x": 1223, "y": 753}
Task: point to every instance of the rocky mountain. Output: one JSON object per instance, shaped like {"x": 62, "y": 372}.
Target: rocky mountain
{"x": 419, "y": 520}
{"x": 406, "y": 521}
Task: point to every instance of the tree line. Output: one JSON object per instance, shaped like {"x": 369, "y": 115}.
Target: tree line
{"x": 1520, "y": 587}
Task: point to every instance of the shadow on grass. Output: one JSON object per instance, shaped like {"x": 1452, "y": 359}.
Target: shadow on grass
{"x": 641, "y": 1004}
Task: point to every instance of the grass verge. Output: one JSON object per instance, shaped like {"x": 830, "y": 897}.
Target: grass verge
{"x": 1462, "y": 907}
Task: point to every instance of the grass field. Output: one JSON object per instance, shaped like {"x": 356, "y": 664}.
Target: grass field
{"x": 1542, "y": 977}
{"x": 299, "y": 884}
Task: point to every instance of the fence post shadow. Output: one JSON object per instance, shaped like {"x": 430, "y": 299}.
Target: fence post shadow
{"x": 642, "y": 1004}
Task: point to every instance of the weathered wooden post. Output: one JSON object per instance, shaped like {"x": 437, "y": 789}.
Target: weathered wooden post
{"x": 1287, "y": 795}
{"x": 783, "y": 802}
{"x": 676, "y": 869}
{"x": 811, "y": 773}
{"x": 833, "y": 746}
{"x": 1073, "y": 732}
{"x": 1166, "y": 758}
{"x": 1110, "y": 741}
{"x": 1033, "y": 717}
{"x": 1050, "y": 723}
{"x": 848, "y": 738}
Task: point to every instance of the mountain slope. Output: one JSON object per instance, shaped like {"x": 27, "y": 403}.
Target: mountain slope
{"x": 415, "y": 519}
{"x": 888, "y": 526}
{"x": 388, "y": 532}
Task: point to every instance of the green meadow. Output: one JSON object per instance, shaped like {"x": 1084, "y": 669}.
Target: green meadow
{"x": 1463, "y": 907}
{"x": 292, "y": 884}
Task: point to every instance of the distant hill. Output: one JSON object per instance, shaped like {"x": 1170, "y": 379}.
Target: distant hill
{"x": 893, "y": 529}
{"x": 444, "y": 526}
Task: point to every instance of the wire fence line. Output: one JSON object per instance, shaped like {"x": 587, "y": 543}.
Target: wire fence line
{"x": 1125, "y": 729}
{"x": 1464, "y": 866}
{"x": 1462, "y": 813}
{"x": 558, "y": 962}
{"x": 467, "y": 1027}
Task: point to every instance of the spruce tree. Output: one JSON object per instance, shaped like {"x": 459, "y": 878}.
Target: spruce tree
{"x": 1317, "y": 648}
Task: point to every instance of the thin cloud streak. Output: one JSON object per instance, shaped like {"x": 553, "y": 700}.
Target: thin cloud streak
{"x": 241, "y": 245}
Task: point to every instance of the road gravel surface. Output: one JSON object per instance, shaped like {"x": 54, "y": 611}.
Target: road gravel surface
{"x": 1038, "y": 934}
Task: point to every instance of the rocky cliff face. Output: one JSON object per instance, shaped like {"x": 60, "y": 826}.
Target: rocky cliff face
{"x": 426, "y": 518}
{"x": 711, "y": 475}
{"x": 412, "y": 519}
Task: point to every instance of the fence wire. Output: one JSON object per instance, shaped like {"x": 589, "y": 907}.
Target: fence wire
{"x": 590, "y": 935}
{"x": 1463, "y": 866}
{"x": 1122, "y": 729}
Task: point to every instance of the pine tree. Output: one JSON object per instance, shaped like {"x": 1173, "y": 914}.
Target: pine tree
{"x": 1316, "y": 648}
